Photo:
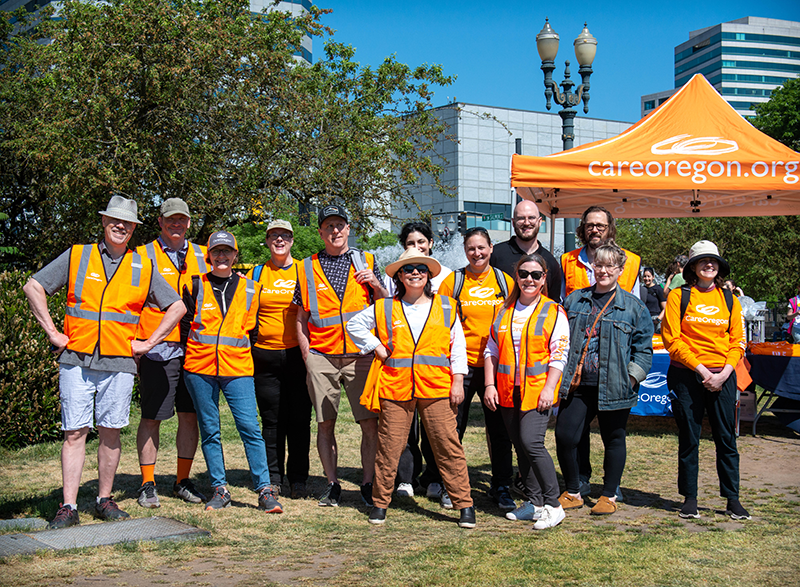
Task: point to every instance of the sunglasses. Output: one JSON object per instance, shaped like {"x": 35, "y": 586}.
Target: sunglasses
{"x": 537, "y": 275}
{"x": 409, "y": 269}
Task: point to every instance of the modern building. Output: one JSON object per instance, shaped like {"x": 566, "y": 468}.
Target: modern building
{"x": 745, "y": 59}
{"x": 476, "y": 155}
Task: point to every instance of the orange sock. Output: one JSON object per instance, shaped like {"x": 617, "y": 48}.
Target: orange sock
{"x": 184, "y": 468}
{"x": 148, "y": 473}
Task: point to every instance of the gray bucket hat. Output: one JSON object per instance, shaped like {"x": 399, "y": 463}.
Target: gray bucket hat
{"x": 701, "y": 250}
{"x": 122, "y": 209}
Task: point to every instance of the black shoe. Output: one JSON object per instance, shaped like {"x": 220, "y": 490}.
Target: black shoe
{"x": 107, "y": 509}
{"x": 366, "y": 493}
{"x": 377, "y": 515}
{"x": 502, "y": 498}
{"x": 186, "y": 491}
{"x": 736, "y": 511}
{"x": 65, "y": 517}
{"x": 467, "y": 518}
{"x": 518, "y": 486}
{"x": 298, "y": 490}
{"x": 330, "y": 497}
{"x": 689, "y": 509}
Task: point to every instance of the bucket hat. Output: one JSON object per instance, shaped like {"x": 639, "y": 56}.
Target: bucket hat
{"x": 703, "y": 249}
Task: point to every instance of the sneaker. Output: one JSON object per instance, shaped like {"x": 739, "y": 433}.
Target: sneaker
{"x": 267, "y": 501}
{"x": 527, "y": 511}
{"x": 446, "y": 503}
{"x": 618, "y": 495}
{"x": 405, "y": 490}
{"x": 502, "y": 498}
{"x": 107, "y": 509}
{"x": 221, "y": 499}
{"x": 377, "y": 515}
{"x": 689, "y": 509}
{"x": 65, "y": 517}
{"x": 366, "y": 493}
{"x": 434, "y": 491}
{"x": 569, "y": 502}
{"x": 604, "y": 507}
{"x": 736, "y": 510}
{"x": 585, "y": 488}
{"x": 186, "y": 491}
{"x": 148, "y": 497}
{"x": 518, "y": 487}
{"x": 551, "y": 517}
{"x": 298, "y": 490}
{"x": 467, "y": 517}
{"x": 330, "y": 497}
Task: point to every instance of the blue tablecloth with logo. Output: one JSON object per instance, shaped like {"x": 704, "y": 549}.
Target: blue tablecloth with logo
{"x": 653, "y": 393}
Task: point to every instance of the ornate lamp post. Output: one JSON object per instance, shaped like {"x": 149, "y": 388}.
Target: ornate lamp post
{"x": 585, "y": 49}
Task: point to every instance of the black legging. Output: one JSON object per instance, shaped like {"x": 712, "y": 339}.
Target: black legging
{"x": 575, "y": 412}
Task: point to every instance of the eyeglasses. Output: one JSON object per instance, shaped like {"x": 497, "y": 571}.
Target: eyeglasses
{"x": 537, "y": 275}
{"x": 598, "y": 227}
{"x": 409, "y": 269}
{"x": 287, "y": 236}
{"x": 606, "y": 268}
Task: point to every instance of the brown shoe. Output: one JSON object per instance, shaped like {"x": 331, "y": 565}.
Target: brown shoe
{"x": 569, "y": 502}
{"x": 604, "y": 506}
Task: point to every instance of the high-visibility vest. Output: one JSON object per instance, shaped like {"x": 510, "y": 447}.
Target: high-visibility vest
{"x": 220, "y": 345}
{"x": 277, "y": 315}
{"x": 328, "y": 315}
{"x": 177, "y": 277}
{"x": 418, "y": 369}
{"x": 575, "y": 274}
{"x": 534, "y": 354}
{"x": 103, "y": 311}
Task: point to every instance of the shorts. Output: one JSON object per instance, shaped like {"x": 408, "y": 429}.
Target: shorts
{"x": 162, "y": 389}
{"x": 90, "y": 397}
{"x": 327, "y": 375}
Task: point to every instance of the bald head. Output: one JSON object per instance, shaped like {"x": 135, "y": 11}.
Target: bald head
{"x": 527, "y": 221}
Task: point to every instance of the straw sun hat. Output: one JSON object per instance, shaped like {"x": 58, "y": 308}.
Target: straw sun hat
{"x": 412, "y": 256}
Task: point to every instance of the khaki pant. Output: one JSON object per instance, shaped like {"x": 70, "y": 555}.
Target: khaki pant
{"x": 439, "y": 419}
{"x": 327, "y": 375}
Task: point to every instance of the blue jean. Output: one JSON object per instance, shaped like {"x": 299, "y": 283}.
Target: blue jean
{"x": 241, "y": 395}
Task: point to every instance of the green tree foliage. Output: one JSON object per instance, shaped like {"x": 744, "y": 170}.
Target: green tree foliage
{"x": 201, "y": 100}
{"x": 253, "y": 250}
{"x": 780, "y": 116}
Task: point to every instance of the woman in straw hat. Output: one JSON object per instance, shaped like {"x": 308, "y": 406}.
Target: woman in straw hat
{"x": 422, "y": 349}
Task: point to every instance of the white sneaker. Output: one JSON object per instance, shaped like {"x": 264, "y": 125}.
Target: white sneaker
{"x": 405, "y": 490}
{"x": 551, "y": 517}
{"x": 446, "y": 502}
{"x": 434, "y": 491}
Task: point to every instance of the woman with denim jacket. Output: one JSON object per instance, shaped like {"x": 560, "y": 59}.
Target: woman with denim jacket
{"x": 619, "y": 332}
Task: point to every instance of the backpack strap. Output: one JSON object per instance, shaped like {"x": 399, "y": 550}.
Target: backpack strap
{"x": 501, "y": 281}
{"x": 459, "y": 276}
{"x": 257, "y": 270}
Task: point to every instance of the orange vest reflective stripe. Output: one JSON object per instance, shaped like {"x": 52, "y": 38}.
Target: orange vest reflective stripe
{"x": 575, "y": 274}
{"x": 104, "y": 312}
{"x": 195, "y": 264}
{"x": 220, "y": 345}
{"x": 328, "y": 315}
{"x": 534, "y": 351}
{"x": 418, "y": 369}
{"x": 277, "y": 315}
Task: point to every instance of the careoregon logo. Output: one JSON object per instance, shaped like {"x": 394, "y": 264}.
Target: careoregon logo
{"x": 685, "y": 145}
{"x": 287, "y": 283}
{"x": 480, "y": 292}
{"x": 706, "y": 310}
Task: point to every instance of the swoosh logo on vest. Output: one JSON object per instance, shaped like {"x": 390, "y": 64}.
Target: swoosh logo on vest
{"x": 706, "y": 310}
{"x": 94, "y": 277}
{"x": 480, "y": 292}
{"x": 683, "y": 145}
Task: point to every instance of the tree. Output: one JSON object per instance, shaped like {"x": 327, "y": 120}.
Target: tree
{"x": 202, "y": 100}
{"x": 780, "y": 116}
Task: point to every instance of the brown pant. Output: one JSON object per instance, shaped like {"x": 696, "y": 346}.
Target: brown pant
{"x": 439, "y": 419}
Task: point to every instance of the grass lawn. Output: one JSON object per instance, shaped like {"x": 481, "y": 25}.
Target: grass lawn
{"x": 644, "y": 543}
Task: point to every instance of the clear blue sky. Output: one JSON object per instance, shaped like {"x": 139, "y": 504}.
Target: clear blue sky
{"x": 491, "y": 46}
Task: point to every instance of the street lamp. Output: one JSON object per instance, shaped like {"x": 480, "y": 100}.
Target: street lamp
{"x": 585, "y": 49}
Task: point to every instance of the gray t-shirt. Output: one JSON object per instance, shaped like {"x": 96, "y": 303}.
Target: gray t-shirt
{"x": 55, "y": 275}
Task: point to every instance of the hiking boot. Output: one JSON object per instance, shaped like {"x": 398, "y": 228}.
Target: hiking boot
{"x": 107, "y": 509}
{"x": 267, "y": 501}
{"x": 550, "y": 518}
{"x": 467, "y": 517}
{"x": 405, "y": 490}
{"x": 377, "y": 515}
{"x": 502, "y": 498}
{"x": 604, "y": 507}
{"x": 331, "y": 496}
{"x": 527, "y": 511}
{"x": 148, "y": 497}
{"x": 298, "y": 490}
{"x": 434, "y": 491}
{"x": 736, "y": 510}
{"x": 65, "y": 517}
{"x": 186, "y": 491}
{"x": 219, "y": 500}
{"x": 689, "y": 509}
{"x": 446, "y": 503}
{"x": 366, "y": 493}
{"x": 569, "y": 502}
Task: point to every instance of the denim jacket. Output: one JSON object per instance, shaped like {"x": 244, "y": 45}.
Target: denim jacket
{"x": 626, "y": 346}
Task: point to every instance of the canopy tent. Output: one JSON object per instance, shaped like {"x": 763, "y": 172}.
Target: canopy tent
{"x": 693, "y": 156}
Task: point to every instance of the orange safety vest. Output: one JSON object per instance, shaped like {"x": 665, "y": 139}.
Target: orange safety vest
{"x": 328, "y": 315}
{"x": 534, "y": 352}
{"x": 277, "y": 315}
{"x": 177, "y": 277}
{"x": 575, "y": 274}
{"x": 415, "y": 369}
{"x": 103, "y": 311}
{"x": 220, "y": 345}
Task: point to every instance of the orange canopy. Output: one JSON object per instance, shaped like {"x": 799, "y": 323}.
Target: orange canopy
{"x": 693, "y": 156}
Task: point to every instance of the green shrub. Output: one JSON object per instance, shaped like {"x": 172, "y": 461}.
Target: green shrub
{"x": 30, "y": 410}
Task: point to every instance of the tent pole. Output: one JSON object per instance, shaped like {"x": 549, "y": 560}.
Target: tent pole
{"x": 552, "y": 233}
